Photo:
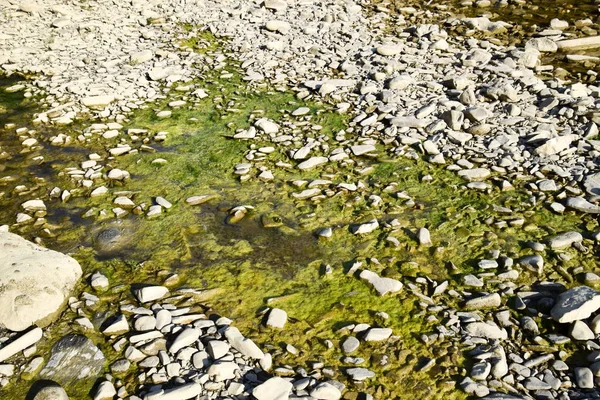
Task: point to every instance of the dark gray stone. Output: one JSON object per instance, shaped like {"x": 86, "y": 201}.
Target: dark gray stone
{"x": 73, "y": 358}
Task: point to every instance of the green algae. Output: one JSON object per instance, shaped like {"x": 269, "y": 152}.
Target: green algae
{"x": 249, "y": 266}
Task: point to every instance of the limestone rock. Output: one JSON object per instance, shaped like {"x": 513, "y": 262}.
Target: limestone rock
{"x": 274, "y": 388}
{"x": 35, "y": 282}
{"x": 575, "y": 304}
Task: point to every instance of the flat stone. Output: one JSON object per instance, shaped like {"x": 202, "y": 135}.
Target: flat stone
{"x": 184, "y": 392}
{"x": 20, "y": 343}
{"x": 383, "y": 286}
{"x": 389, "y": 49}
{"x": 575, "y": 304}
{"x": 36, "y": 282}
{"x": 184, "y": 339}
{"x": 325, "y": 391}
{"x": 277, "y": 318}
{"x": 197, "y": 200}
{"x": 485, "y": 330}
{"x": 360, "y": 374}
{"x": 242, "y": 344}
{"x": 484, "y": 302}
{"x": 350, "y": 345}
{"x": 377, "y": 334}
{"x": 362, "y": 149}
{"x": 581, "y": 204}
{"x": 475, "y": 174}
{"x": 565, "y": 240}
{"x": 97, "y": 102}
{"x": 367, "y": 227}
{"x": 312, "y": 162}
{"x": 274, "y": 388}
{"x": 150, "y": 293}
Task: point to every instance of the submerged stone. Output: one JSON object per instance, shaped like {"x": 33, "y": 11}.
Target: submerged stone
{"x": 73, "y": 358}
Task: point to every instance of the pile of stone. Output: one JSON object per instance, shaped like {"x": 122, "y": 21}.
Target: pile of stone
{"x": 179, "y": 353}
{"x": 541, "y": 347}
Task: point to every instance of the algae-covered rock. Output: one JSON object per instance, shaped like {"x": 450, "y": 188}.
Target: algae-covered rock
{"x": 73, "y": 358}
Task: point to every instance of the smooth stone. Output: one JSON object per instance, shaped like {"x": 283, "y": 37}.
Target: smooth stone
{"x": 485, "y": 330}
{"x": 20, "y": 343}
{"x": 184, "y": 339}
{"x": 274, "y": 388}
{"x": 377, "y": 334}
{"x": 105, "y": 391}
{"x": 475, "y": 174}
{"x": 242, "y": 344}
{"x": 580, "y": 331}
{"x": 360, "y": 374}
{"x": 575, "y": 304}
{"x": 267, "y": 126}
{"x": 312, "y": 162}
{"x": 150, "y": 293}
{"x": 51, "y": 392}
{"x": 350, "y": 345}
{"x": 484, "y": 302}
{"x": 584, "y": 378}
{"x": 565, "y": 240}
{"x": 581, "y": 204}
{"x": 223, "y": 370}
{"x": 277, "y": 318}
{"x": 383, "y": 286}
{"x": 184, "y": 392}
{"x": 367, "y": 227}
{"x": 325, "y": 391}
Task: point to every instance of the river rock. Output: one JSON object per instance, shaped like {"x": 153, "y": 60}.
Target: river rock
{"x": 565, "y": 240}
{"x": 20, "y": 343}
{"x": 325, "y": 391}
{"x": 581, "y": 204}
{"x": 184, "y": 339}
{"x": 184, "y": 392}
{"x": 150, "y": 293}
{"x": 485, "y": 330}
{"x": 580, "y": 331}
{"x": 242, "y": 344}
{"x": 105, "y": 391}
{"x": 51, "y": 391}
{"x": 73, "y": 358}
{"x": 484, "y": 302}
{"x": 274, "y": 388}
{"x": 377, "y": 334}
{"x": 277, "y": 318}
{"x": 267, "y": 126}
{"x": 367, "y": 227}
{"x": 36, "y": 282}
{"x": 97, "y": 102}
{"x": 575, "y": 304}
{"x": 383, "y": 286}
{"x": 475, "y": 174}
{"x": 360, "y": 374}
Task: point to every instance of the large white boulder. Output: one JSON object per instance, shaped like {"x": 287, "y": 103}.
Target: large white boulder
{"x": 34, "y": 282}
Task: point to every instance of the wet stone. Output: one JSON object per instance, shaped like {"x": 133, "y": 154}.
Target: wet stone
{"x": 73, "y": 358}
{"x": 350, "y": 345}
